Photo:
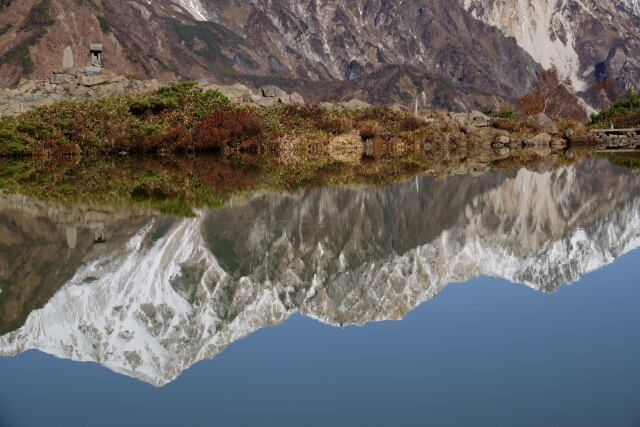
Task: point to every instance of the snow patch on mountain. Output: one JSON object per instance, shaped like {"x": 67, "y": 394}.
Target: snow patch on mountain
{"x": 195, "y": 8}
{"x": 543, "y": 28}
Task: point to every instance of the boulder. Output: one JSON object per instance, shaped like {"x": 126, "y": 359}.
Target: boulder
{"x": 236, "y": 92}
{"x": 486, "y": 136}
{"x": 326, "y": 105}
{"x": 296, "y": 98}
{"x": 543, "y": 123}
{"x": 271, "y": 91}
{"x": 266, "y": 102}
{"x": 355, "y": 104}
{"x": 541, "y": 140}
{"x": 94, "y": 80}
{"x": 479, "y": 119}
{"x": 473, "y": 118}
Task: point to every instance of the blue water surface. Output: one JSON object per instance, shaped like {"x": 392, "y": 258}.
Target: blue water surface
{"x": 482, "y": 353}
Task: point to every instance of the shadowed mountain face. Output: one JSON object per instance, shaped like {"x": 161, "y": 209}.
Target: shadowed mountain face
{"x": 163, "y": 294}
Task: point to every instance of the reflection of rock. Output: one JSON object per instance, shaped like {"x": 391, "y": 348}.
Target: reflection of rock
{"x": 179, "y": 292}
{"x": 41, "y": 246}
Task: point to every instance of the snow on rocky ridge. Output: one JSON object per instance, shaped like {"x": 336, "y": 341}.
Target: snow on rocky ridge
{"x": 156, "y": 306}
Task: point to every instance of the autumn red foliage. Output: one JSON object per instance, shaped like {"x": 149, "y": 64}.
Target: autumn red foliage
{"x": 224, "y": 127}
{"x": 554, "y": 96}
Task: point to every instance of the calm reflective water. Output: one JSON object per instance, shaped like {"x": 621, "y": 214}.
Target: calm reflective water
{"x": 176, "y": 315}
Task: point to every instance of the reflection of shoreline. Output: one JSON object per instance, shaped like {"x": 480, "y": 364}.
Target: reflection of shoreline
{"x": 176, "y": 185}
{"x": 174, "y": 293}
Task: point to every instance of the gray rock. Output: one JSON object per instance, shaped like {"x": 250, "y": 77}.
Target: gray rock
{"x": 479, "y": 119}
{"x": 296, "y": 98}
{"x": 355, "y": 104}
{"x": 542, "y": 140}
{"x": 67, "y": 58}
{"x": 326, "y": 105}
{"x": 543, "y": 123}
{"x": 266, "y": 101}
{"x": 271, "y": 91}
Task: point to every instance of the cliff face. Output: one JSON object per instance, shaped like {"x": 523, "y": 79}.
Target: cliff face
{"x": 170, "y": 293}
{"x": 587, "y": 40}
{"x": 461, "y": 54}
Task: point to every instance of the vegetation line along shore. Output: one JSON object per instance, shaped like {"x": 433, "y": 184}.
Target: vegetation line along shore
{"x": 141, "y": 148}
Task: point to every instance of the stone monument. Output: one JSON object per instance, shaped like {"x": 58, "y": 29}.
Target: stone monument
{"x": 67, "y": 58}
{"x": 94, "y": 66}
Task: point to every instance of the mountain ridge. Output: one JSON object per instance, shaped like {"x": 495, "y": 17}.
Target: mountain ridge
{"x": 456, "y": 55}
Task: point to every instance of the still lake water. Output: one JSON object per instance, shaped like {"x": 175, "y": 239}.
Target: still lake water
{"x": 509, "y": 298}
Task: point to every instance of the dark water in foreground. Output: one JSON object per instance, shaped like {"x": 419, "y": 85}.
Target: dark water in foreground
{"x": 504, "y": 299}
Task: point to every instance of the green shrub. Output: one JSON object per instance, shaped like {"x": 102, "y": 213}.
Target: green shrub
{"x": 167, "y": 97}
{"x": 621, "y": 113}
{"x": 36, "y": 130}
{"x": 501, "y": 114}
{"x": 14, "y": 144}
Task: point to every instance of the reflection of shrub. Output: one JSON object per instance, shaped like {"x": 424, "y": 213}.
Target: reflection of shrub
{"x": 370, "y": 129}
{"x": 333, "y": 126}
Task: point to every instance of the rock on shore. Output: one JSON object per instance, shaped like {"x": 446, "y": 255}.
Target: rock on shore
{"x": 68, "y": 85}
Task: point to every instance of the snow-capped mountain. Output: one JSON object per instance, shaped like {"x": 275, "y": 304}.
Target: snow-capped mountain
{"x": 462, "y": 54}
{"x": 175, "y": 292}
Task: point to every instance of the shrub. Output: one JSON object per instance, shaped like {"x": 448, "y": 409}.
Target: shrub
{"x": 167, "y": 97}
{"x": 37, "y": 130}
{"x": 15, "y": 144}
{"x": 509, "y": 124}
{"x": 333, "y": 126}
{"x": 176, "y": 139}
{"x": 377, "y": 113}
{"x": 624, "y": 113}
{"x": 304, "y": 111}
{"x": 225, "y": 127}
{"x": 154, "y": 105}
{"x": 503, "y": 114}
{"x": 410, "y": 122}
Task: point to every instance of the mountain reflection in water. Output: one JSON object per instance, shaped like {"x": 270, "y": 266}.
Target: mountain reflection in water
{"x": 148, "y": 296}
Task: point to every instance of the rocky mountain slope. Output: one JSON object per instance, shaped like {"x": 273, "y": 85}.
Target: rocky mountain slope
{"x": 180, "y": 291}
{"x": 461, "y": 54}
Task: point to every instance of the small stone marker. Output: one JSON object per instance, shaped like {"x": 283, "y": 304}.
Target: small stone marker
{"x": 95, "y": 52}
{"x": 67, "y": 58}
